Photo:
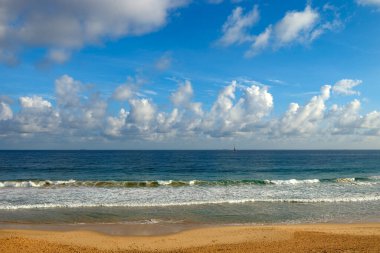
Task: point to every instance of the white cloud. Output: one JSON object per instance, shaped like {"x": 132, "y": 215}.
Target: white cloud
{"x": 5, "y": 112}
{"x": 115, "y": 125}
{"x": 129, "y": 89}
{"x": 37, "y": 103}
{"x": 62, "y": 26}
{"x": 196, "y": 108}
{"x": 57, "y": 55}
{"x": 344, "y": 119}
{"x": 93, "y": 111}
{"x": 236, "y": 28}
{"x": 164, "y": 62}
{"x": 227, "y": 117}
{"x": 77, "y": 110}
{"x": 345, "y": 87}
{"x": 183, "y": 95}
{"x": 239, "y": 111}
{"x": 182, "y": 98}
{"x": 123, "y": 92}
{"x": 142, "y": 113}
{"x": 225, "y": 98}
{"x": 299, "y": 120}
{"x": 260, "y": 42}
{"x": 150, "y": 92}
{"x": 67, "y": 91}
{"x": 257, "y": 102}
{"x": 166, "y": 122}
{"x": 36, "y": 115}
{"x": 371, "y": 123}
{"x": 296, "y": 27}
{"x": 369, "y": 2}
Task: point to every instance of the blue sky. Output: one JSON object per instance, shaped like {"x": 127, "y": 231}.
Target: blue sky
{"x": 189, "y": 74}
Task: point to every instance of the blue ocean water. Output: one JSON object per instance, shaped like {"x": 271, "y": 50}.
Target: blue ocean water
{"x": 189, "y": 186}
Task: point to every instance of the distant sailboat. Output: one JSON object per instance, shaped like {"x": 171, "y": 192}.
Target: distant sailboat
{"x": 234, "y": 148}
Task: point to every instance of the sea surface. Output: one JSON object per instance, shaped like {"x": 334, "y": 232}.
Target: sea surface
{"x": 197, "y": 187}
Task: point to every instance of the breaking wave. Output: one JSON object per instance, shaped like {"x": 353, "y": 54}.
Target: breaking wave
{"x": 178, "y": 183}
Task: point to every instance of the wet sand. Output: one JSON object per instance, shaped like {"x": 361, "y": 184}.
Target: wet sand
{"x": 278, "y": 238}
{"x": 118, "y": 229}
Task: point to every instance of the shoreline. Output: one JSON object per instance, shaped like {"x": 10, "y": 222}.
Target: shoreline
{"x": 357, "y": 237}
{"x": 133, "y": 229}
{"x": 110, "y": 229}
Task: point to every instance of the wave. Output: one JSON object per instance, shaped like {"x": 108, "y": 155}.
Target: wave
{"x": 35, "y": 183}
{"x": 191, "y": 203}
{"x": 178, "y": 183}
{"x": 293, "y": 181}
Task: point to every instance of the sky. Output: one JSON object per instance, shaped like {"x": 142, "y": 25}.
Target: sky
{"x": 189, "y": 74}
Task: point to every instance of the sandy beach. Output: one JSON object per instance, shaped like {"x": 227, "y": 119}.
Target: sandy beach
{"x": 276, "y": 238}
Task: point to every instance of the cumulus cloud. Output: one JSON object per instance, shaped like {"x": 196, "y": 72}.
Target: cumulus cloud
{"x": 344, "y": 119}
{"x": 182, "y": 98}
{"x": 36, "y": 115}
{"x": 300, "y": 120}
{"x": 129, "y": 89}
{"x": 239, "y": 110}
{"x": 345, "y": 87}
{"x": 371, "y": 123}
{"x": 115, "y": 125}
{"x": 35, "y": 24}
{"x": 123, "y": 92}
{"x": 183, "y": 95}
{"x": 37, "y": 103}
{"x": 77, "y": 109}
{"x": 236, "y": 28}
{"x": 142, "y": 112}
{"x": 227, "y": 116}
{"x": 67, "y": 91}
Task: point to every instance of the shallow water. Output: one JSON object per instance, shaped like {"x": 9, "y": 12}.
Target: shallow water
{"x": 184, "y": 187}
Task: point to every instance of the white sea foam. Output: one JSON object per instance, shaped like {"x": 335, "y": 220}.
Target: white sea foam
{"x": 35, "y": 184}
{"x": 165, "y": 182}
{"x": 345, "y": 180}
{"x": 75, "y": 194}
{"x": 190, "y": 203}
{"x": 176, "y": 183}
{"x": 293, "y": 181}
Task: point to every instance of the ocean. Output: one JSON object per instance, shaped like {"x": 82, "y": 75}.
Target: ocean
{"x": 189, "y": 187}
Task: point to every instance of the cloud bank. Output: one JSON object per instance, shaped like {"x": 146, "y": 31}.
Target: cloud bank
{"x": 238, "y": 111}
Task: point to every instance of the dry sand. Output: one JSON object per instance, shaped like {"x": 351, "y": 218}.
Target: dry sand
{"x": 347, "y": 238}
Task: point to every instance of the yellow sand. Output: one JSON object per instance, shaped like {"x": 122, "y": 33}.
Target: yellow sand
{"x": 280, "y": 238}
